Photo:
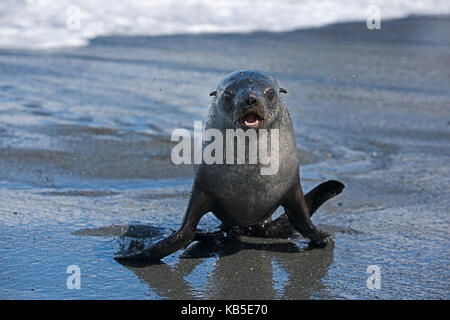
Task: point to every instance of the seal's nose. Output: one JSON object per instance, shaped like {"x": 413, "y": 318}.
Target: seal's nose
{"x": 250, "y": 100}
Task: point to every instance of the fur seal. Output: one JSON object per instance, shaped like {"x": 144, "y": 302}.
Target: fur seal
{"x": 237, "y": 194}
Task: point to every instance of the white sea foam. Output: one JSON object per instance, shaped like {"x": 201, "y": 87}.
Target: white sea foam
{"x": 43, "y": 23}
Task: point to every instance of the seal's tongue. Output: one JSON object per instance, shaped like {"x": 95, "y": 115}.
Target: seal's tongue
{"x": 251, "y": 119}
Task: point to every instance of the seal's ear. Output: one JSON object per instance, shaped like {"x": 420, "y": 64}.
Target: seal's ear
{"x": 282, "y": 90}
{"x": 213, "y": 93}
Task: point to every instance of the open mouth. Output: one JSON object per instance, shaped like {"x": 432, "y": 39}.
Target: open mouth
{"x": 252, "y": 119}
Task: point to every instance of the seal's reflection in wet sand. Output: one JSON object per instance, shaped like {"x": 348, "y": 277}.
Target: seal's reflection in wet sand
{"x": 243, "y": 268}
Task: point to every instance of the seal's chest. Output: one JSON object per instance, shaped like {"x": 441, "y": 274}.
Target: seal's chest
{"x": 245, "y": 199}
{"x": 243, "y": 185}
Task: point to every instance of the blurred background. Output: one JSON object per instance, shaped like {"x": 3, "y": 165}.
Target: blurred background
{"x": 49, "y": 24}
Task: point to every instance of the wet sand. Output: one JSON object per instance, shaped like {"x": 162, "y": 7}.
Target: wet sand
{"x": 85, "y": 163}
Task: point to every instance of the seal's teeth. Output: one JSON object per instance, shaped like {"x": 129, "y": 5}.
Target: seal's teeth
{"x": 252, "y": 124}
{"x": 250, "y": 118}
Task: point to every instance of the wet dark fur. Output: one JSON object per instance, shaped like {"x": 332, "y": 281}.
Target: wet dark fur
{"x": 238, "y": 194}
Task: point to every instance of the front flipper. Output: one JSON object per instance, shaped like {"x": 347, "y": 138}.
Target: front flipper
{"x": 199, "y": 204}
{"x": 297, "y": 211}
{"x": 281, "y": 227}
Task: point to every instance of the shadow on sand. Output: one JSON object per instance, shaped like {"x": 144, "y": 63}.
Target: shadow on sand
{"x": 246, "y": 268}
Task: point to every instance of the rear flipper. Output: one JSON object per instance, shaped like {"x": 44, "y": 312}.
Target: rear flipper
{"x": 282, "y": 227}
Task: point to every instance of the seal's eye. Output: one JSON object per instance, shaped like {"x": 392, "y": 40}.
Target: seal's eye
{"x": 228, "y": 95}
{"x": 269, "y": 93}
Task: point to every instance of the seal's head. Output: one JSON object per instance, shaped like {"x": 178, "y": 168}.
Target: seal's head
{"x": 249, "y": 99}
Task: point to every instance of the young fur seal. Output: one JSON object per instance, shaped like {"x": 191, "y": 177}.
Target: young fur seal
{"x": 238, "y": 194}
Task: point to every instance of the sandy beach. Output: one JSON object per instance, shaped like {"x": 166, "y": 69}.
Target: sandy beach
{"x": 85, "y": 163}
